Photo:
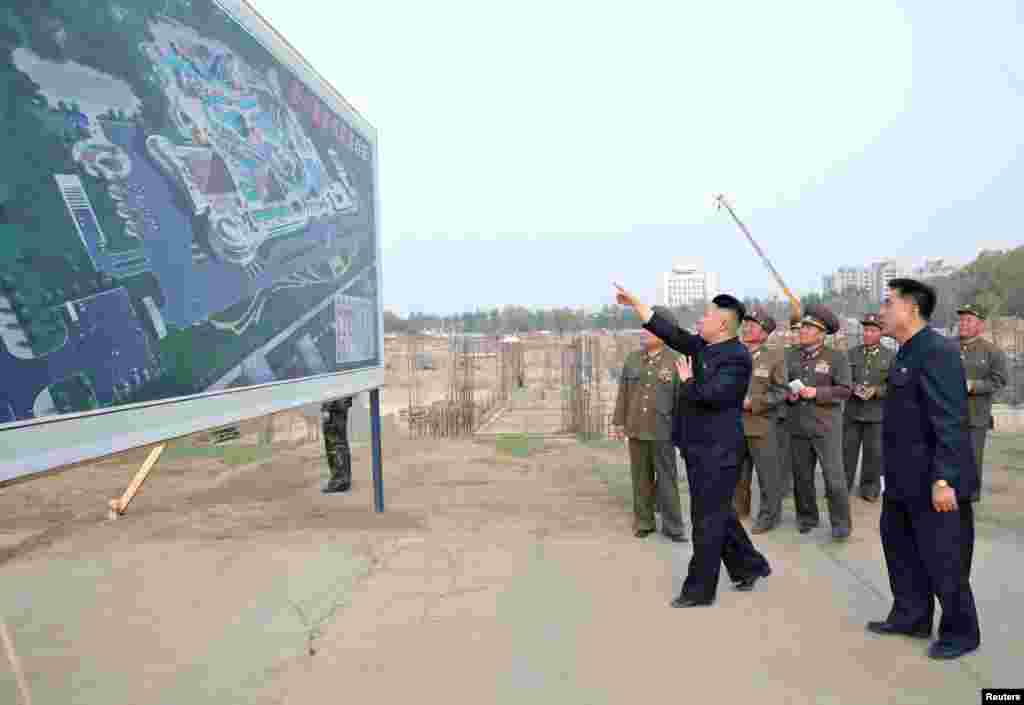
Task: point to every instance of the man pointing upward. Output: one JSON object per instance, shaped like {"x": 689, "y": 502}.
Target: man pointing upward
{"x": 714, "y": 382}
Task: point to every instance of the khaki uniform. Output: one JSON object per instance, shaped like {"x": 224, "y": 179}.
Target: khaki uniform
{"x": 784, "y": 436}
{"x": 643, "y": 408}
{"x": 986, "y": 369}
{"x": 862, "y": 420}
{"x": 766, "y": 392}
{"x": 816, "y": 428}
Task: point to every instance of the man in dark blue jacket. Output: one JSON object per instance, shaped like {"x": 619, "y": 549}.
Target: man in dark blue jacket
{"x": 709, "y": 429}
{"x": 927, "y": 524}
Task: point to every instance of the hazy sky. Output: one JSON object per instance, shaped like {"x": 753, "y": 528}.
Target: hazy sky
{"x": 533, "y": 151}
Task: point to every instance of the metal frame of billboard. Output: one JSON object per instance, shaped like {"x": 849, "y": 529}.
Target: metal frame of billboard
{"x": 27, "y": 447}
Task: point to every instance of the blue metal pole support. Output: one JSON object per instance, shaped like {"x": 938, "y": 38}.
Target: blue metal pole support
{"x": 378, "y": 473}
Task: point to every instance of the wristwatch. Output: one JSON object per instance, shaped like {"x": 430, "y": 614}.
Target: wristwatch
{"x": 941, "y": 483}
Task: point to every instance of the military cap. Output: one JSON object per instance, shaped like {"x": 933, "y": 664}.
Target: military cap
{"x": 820, "y": 317}
{"x": 666, "y": 313}
{"x": 759, "y": 316}
{"x": 871, "y": 319}
{"x": 731, "y": 303}
{"x": 972, "y": 310}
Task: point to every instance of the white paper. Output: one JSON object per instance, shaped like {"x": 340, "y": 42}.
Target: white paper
{"x": 796, "y": 386}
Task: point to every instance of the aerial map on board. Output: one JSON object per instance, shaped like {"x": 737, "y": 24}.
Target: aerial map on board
{"x": 179, "y": 213}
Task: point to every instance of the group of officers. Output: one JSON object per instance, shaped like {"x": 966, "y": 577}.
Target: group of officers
{"x": 787, "y": 433}
{"x": 736, "y": 401}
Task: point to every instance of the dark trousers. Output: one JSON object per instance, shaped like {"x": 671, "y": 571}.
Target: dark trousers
{"x": 828, "y": 451}
{"x": 717, "y": 534}
{"x": 858, "y": 435}
{"x": 978, "y": 436}
{"x": 785, "y": 458}
{"x": 929, "y": 556}
{"x": 761, "y": 453}
{"x": 655, "y": 484}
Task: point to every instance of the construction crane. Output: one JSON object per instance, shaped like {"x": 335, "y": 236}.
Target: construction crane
{"x": 794, "y": 302}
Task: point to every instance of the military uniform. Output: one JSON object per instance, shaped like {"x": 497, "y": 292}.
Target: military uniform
{"x": 643, "y": 409}
{"x": 986, "y": 369}
{"x": 816, "y": 426}
{"x": 335, "y": 431}
{"x": 783, "y": 435}
{"x": 862, "y": 422}
{"x": 766, "y": 392}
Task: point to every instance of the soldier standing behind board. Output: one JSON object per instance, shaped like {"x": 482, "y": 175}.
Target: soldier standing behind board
{"x": 986, "y": 369}
{"x": 766, "y": 393}
{"x": 927, "y": 524}
{"x": 820, "y": 379}
{"x": 862, "y": 423}
{"x": 339, "y": 457}
{"x": 643, "y": 413}
{"x": 713, "y": 382}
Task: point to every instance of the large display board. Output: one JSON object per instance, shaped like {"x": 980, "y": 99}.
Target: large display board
{"x": 188, "y": 228}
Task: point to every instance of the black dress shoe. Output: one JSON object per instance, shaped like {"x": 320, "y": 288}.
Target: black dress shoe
{"x": 643, "y": 533}
{"x": 683, "y": 601}
{"x": 942, "y": 651}
{"x": 869, "y": 498}
{"x": 677, "y": 538}
{"x": 805, "y": 528}
{"x": 886, "y": 628}
{"x": 747, "y": 584}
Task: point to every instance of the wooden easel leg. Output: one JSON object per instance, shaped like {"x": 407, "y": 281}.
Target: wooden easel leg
{"x": 118, "y": 506}
{"x": 12, "y": 656}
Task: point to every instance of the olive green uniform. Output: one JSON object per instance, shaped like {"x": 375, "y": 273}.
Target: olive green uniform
{"x": 986, "y": 369}
{"x": 339, "y": 455}
{"x": 766, "y": 392}
{"x": 643, "y": 408}
{"x": 862, "y": 420}
{"x": 816, "y": 426}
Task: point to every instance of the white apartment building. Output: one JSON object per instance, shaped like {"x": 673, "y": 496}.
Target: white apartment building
{"x": 884, "y": 272}
{"x": 686, "y": 285}
{"x": 846, "y": 278}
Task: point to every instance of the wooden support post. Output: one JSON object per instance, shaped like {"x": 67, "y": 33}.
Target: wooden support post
{"x": 12, "y": 656}
{"x": 118, "y": 506}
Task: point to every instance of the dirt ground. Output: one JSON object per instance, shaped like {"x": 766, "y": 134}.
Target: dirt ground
{"x": 490, "y": 578}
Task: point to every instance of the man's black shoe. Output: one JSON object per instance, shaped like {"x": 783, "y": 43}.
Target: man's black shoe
{"x": 683, "y": 601}
{"x": 887, "y": 628}
{"x": 643, "y": 533}
{"x": 334, "y": 489}
{"x": 869, "y": 498}
{"x": 677, "y": 538}
{"x": 941, "y": 651}
{"x": 747, "y": 584}
{"x": 840, "y": 534}
{"x": 805, "y": 528}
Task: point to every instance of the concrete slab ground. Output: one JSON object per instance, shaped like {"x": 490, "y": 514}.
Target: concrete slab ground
{"x": 490, "y": 578}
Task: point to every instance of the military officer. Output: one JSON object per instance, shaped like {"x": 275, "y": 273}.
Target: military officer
{"x": 986, "y": 369}
{"x": 862, "y": 420}
{"x": 819, "y": 379}
{"x": 644, "y": 408}
{"x": 339, "y": 456}
{"x": 790, "y": 346}
{"x": 767, "y": 391}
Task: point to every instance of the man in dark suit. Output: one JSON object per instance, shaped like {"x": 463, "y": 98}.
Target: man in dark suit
{"x": 713, "y": 383}
{"x": 927, "y": 524}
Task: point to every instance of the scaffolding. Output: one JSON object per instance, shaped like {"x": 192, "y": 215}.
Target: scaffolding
{"x": 585, "y": 411}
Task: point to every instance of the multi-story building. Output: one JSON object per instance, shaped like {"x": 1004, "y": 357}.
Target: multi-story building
{"x": 935, "y": 267}
{"x": 846, "y": 278}
{"x": 687, "y": 284}
{"x": 884, "y": 272}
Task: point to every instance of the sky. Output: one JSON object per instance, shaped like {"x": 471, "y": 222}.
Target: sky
{"x": 533, "y": 152}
